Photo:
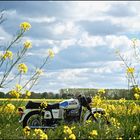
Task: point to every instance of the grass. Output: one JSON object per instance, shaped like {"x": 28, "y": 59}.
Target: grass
{"x": 126, "y": 124}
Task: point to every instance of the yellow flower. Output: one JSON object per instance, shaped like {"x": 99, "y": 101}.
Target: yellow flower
{"x": 111, "y": 108}
{"x": 43, "y": 136}
{"x": 67, "y": 130}
{"x": 136, "y": 90}
{"x": 97, "y": 101}
{"x": 14, "y": 93}
{"x": 18, "y": 87}
{"x": 27, "y": 44}
{"x": 40, "y": 134}
{"x": 44, "y": 104}
{"x": 88, "y": 121}
{"x": 9, "y": 108}
{"x": 25, "y": 26}
{"x": 101, "y": 91}
{"x": 120, "y": 138}
{"x": 133, "y": 108}
{"x": 72, "y": 137}
{"x": 73, "y": 127}
{"x": 94, "y": 133}
{"x": 22, "y": 68}
{"x": 122, "y": 100}
{"x": 137, "y": 96}
{"x": 26, "y": 130}
{"x": 38, "y": 131}
{"x": 28, "y": 93}
{"x": 130, "y": 70}
{"x": 8, "y": 54}
{"x": 39, "y": 71}
{"x": 51, "y": 53}
{"x": 97, "y": 115}
{"x": 115, "y": 122}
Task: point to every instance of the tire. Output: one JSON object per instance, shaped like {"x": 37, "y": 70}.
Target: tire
{"x": 102, "y": 118}
{"x": 30, "y": 116}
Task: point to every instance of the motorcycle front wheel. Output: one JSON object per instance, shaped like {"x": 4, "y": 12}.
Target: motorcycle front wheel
{"x": 100, "y": 119}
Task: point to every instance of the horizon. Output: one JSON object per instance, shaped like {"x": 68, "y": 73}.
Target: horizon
{"x": 58, "y": 92}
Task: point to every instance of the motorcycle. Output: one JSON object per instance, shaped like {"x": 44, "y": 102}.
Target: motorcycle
{"x": 68, "y": 111}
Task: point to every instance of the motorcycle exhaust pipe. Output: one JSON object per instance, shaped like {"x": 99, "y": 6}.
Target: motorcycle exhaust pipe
{"x": 42, "y": 127}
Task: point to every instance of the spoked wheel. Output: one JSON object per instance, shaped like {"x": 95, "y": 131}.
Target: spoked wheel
{"x": 33, "y": 120}
{"x": 98, "y": 118}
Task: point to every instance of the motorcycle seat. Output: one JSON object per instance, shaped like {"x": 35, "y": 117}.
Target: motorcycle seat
{"x": 53, "y": 106}
{"x": 37, "y": 105}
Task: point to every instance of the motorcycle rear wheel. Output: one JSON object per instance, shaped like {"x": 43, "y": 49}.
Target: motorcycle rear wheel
{"x": 33, "y": 120}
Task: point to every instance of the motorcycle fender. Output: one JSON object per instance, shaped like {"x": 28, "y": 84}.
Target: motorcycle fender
{"x": 27, "y": 111}
{"x": 94, "y": 110}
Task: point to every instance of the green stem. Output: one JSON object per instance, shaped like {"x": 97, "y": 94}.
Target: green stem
{"x": 32, "y": 78}
{"x": 8, "y": 72}
{"x": 133, "y": 78}
{"x": 20, "y": 35}
{"x": 11, "y": 79}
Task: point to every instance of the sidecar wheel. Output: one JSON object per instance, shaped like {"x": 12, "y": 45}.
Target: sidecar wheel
{"x": 33, "y": 119}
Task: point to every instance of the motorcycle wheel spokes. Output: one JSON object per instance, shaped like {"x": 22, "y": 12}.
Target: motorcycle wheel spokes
{"x": 34, "y": 121}
{"x": 100, "y": 120}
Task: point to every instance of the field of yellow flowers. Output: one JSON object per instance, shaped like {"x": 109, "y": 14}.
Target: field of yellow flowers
{"x": 124, "y": 117}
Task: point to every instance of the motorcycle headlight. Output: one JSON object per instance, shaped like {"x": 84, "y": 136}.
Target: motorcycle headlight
{"x": 85, "y": 101}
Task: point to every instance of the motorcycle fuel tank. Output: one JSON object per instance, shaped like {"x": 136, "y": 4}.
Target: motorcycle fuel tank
{"x": 69, "y": 104}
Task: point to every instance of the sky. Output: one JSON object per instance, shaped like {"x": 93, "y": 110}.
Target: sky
{"x": 84, "y": 36}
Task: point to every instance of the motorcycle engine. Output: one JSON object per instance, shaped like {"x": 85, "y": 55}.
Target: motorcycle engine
{"x": 71, "y": 114}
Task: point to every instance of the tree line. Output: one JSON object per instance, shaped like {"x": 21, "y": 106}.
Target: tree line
{"x": 73, "y": 92}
